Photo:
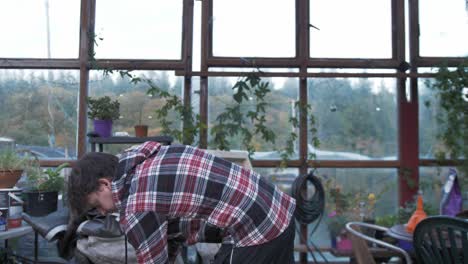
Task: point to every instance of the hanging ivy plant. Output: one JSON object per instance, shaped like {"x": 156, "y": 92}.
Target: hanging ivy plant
{"x": 172, "y": 103}
{"x": 233, "y": 121}
{"x": 452, "y": 94}
{"x": 192, "y": 123}
{"x": 288, "y": 149}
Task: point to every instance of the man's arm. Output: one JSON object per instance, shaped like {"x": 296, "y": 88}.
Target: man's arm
{"x": 147, "y": 232}
{"x": 198, "y": 230}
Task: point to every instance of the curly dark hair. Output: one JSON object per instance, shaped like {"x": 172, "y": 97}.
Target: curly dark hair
{"x": 84, "y": 178}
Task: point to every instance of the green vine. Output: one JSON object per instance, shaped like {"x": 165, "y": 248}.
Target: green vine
{"x": 191, "y": 121}
{"x": 288, "y": 149}
{"x": 233, "y": 121}
{"x": 451, "y": 87}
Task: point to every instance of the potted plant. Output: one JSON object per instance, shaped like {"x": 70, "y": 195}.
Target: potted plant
{"x": 43, "y": 187}
{"x": 11, "y": 167}
{"x": 346, "y": 206}
{"x": 103, "y": 111}
{"x": 141, "y": 130}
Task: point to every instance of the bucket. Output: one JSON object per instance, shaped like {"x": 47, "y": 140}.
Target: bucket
{"x": 10, "y": 200}
{"x": 40, "y": 203}
{"x": 15, "y": 211}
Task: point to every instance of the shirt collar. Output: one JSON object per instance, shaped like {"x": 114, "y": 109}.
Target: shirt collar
{"x": 129, "y": 159}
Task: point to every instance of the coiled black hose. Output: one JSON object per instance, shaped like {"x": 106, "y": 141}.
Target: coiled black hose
{"x": 309, "y": 210}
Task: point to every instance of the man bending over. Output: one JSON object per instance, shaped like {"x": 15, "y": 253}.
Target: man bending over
{"x": 152, "y": 184}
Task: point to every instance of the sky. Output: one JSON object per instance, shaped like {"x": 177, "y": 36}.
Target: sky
{"x": 150, "y": 29}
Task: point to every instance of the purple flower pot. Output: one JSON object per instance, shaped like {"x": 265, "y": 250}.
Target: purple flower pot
{"x": 103, "y": 127}
{"x": 406, "y": 245}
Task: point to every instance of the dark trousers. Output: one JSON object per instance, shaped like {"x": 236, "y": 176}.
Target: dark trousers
{"x": 278, "y": 251}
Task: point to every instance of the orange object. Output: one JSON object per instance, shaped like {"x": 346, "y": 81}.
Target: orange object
{"x": 417, "y": 216}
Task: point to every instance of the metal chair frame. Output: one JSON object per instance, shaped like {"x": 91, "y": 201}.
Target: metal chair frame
{"x": 349, "y": 228}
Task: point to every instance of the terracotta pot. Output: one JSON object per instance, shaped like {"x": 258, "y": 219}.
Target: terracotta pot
{"x": 8, "y": 179}
{"x": 141, "y": 131}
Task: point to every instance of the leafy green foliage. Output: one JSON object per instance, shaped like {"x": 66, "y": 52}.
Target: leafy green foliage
{"x": 405, "y": 213}
{"x": 46, "y": 180}
{"x": 386, "y": 220}
{"x": 103, "y": 108}
{"x": 173, "y": 103}
{"x": 191, "y": 120}
{"x": 450, "y": 86}
{"x": 345, "y": 206}
{"x": 234, "y": 121}
{"x": 10, "y": 160}
{"x": 288, "y": 150}
{"x": 7, "y": 258}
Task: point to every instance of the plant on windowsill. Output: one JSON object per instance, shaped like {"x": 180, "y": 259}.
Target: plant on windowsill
{"x": 11, "y": 167}
{"x": 42, "y": 189}
{"x": 103, "y": 111}
{"x": 452, "y": 94}
{"x": 141, "y": 130}
{"x": 343, "y": 207}
{"x": 140, "y": 102}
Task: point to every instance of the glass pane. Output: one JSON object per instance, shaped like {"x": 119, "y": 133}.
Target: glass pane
{"x": 433, "y": 121}
{"x": 352, "y": 194}
{"x": 197, "y": 38}
{"x": 196, "y": 94}
{"x": 364, "y": 32}
{"x": 136, "y": 107}
{"x": 39, "y": 29}
{"x": 429, "y": 127}
{"x": 146, "y": 29}
{"x": 283, "y": 178}
{"x": 431, "y": 180}
{"x": 280, "y": 102}
{"x": 38, "y": 110}
{"x": 356, "y": 118}
{"x": 446, "y": 36}
{"x": 261, "y": 28}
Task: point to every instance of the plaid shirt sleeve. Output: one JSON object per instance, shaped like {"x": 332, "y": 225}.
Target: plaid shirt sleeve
{"x": 147, "y": 233}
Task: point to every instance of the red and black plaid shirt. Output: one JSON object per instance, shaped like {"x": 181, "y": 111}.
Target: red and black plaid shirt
{"x": 155, "y": 182}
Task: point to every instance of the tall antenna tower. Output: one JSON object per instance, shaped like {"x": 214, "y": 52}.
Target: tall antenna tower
{"x": 51, "y": 120}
